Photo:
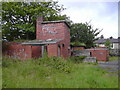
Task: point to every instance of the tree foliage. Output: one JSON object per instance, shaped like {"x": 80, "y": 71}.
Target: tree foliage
{"x": 77, "y": 43}
{"x": 19, "y": 18}
{"x": 84, "y": 33}
{"x": 108, "y": 44}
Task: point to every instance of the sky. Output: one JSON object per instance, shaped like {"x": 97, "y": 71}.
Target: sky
{"x": 101, "y": 14}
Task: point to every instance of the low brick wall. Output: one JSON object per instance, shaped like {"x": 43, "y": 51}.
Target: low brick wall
{"x": 78, "y": 48}
{"x": 90, "y": 60}
{"x": 16, "y": 50}
{"x": 101, "y": 53}
{"x": 81, "y": 53}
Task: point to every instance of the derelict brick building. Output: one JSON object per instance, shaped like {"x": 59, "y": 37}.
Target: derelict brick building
{"x": 57, "y": 32}
{"x": 52, "y": 37}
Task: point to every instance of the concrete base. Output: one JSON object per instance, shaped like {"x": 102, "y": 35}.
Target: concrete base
{"x": 90, "y": 60}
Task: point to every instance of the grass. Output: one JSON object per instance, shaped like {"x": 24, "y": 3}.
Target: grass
{"x": 113, "y": 58}
{"x": 0, "y": 72}
{"x": 54, "y": 73}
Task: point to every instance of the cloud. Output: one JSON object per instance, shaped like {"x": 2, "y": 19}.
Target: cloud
{"x": 88, "y": 0}
{"x": 104, "y": 15}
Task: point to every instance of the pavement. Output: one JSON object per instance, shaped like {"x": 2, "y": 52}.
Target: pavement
{"x": 110, "y": 66}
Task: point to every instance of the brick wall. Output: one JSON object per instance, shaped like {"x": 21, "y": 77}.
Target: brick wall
{"x": 51, "y": 31}
{"x": 78, "y": 48}
{"x": 54, "y": 30}
{"x": 16, "y": 50}
{"x": 52, "y": 50}
{"x": 44, "y": 31}
{"x": 36, "y": 51}
{"x": 101, "y": 55}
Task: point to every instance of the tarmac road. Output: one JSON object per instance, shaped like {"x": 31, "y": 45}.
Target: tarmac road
{"x": 110, "y": 66}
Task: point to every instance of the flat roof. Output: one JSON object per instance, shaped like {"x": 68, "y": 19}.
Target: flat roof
{"x": 41, "y": 42}
{"x": 97, "y": 49}
{"x": 63, "y": 21}
{"x": 101, "y": 41}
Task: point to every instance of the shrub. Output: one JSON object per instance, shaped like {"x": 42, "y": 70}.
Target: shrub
{"x": 57, "y": 63}
{"x": 77, "y": 44}
{"x": 5, "y": 47}
{"x": 7, "y": 61}
{"x": 77, "y": 59}
{"x": 60, "y": 64}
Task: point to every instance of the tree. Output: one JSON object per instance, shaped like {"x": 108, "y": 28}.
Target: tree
{"x": 84, "y": 33}
{"x": 108, "y": 44}
{"x": 19, "y": 18}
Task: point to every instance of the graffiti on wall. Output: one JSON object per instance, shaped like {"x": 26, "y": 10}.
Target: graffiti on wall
{"x": 49, "y": 29}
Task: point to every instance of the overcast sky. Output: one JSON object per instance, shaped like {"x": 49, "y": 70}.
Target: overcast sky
{"x": 103, "y": 15}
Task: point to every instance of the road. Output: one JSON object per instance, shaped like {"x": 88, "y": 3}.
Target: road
{"x": 110, "y": 66}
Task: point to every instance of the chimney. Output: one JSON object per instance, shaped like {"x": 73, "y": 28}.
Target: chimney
{"x": 111, "y": 37}
{"x": 39, "y": 27}
{"x": 40, "y": 19}
{"x": 101, "y": 37}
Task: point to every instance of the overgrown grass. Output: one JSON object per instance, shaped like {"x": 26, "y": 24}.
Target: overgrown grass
{"x": 77, "y": 59}
{"x": 54, "y": 73}
{"x": 0, "y": 80}
{"x": 113, "y": 58}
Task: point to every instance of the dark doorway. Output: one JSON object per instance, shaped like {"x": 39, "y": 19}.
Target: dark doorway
{"x": 59, "y": 50}
{"x": 44, "y": 51}
{"x": 90, "y": 54}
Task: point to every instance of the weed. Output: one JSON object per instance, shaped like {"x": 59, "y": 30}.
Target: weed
{"x": 77, "y": 59}
{"x": 113, "y": 58}
{"x": 54, "y": 72}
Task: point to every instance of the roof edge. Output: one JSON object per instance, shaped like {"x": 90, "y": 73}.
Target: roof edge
{"x": 63, "y": 21}
{"x": 41, "y": 42}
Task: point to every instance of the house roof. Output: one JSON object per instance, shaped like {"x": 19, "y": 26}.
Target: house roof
{"x": 41, "y": 42}
{"x": 101, "y": 41}
{"x": 63, "y": 21}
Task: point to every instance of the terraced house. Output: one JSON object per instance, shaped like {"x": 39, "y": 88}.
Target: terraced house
{"x": 115, "y": 45}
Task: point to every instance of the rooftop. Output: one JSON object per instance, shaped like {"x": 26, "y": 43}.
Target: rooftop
{"x": 63, "y": 21}
{"x": 104, "y": 40}
{"x": 41, "y": 42}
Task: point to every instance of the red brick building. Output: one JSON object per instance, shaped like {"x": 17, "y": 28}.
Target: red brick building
{"x": 16, "y": 50}
{"x": 51, "y": 36}
{"x": 80, "y": 47}
{"x": 101, "y": 53}
{"x": 57, "y": 31}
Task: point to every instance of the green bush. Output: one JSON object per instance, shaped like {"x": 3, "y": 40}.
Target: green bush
{"x": 7, "y": 61}
{"x": 59, "y": 63}
{"x": 77, "y": 59}
{"x": 77, "y": 44}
